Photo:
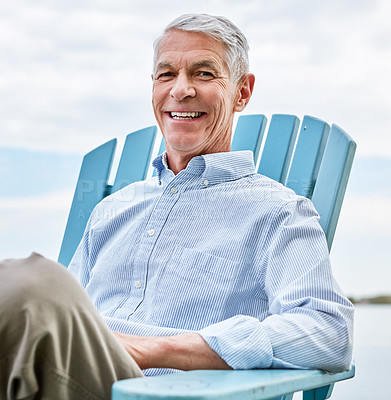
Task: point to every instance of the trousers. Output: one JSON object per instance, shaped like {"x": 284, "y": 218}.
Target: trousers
{"x": 53, "y": 342}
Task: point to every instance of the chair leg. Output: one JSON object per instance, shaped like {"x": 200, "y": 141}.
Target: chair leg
{"x": 286, "y": 397}
{"x": 321, "y": 393}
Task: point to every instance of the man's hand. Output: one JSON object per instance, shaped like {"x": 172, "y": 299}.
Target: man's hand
{"x": 185, "y": 352}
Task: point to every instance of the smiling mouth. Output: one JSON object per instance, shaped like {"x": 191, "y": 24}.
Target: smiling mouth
{"x": 185, "y": 115}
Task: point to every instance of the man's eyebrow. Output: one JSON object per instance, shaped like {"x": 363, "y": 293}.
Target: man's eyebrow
{"x": 163, "y": 65}
{"x": 206, "y": 64}
{"x": 210, "y": 64}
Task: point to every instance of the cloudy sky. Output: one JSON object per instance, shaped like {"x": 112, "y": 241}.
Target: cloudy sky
{"x": 74, "y": 74}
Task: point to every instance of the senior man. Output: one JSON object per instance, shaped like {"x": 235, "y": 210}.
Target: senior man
{"x": 207, "y": 266}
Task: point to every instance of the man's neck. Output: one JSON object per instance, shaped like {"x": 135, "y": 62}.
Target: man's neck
{"x": 178, "y": 161}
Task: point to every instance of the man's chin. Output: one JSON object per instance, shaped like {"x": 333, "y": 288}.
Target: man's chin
{"x": 183, "y": 141}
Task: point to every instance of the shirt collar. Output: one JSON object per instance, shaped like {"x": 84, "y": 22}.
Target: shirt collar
{"x": 215, "y": 168}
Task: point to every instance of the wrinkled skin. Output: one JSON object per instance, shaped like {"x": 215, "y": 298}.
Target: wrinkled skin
{"x": 191, "y": 75}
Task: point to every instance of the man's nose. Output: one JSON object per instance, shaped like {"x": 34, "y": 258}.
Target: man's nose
{"x": 182, "y": 88}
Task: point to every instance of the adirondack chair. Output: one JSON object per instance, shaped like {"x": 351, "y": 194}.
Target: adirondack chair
{"x": 316, "y": 164}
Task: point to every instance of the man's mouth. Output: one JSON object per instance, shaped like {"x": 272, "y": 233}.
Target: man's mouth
{"x": 185, "y": 115}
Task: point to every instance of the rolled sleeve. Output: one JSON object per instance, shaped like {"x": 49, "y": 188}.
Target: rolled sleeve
{"x": 241, "y": 342}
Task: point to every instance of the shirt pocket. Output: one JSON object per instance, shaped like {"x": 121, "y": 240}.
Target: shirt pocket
{"x": 192, "y": 289}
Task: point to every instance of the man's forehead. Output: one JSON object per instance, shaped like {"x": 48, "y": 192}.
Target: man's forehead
{"x": 178, "y": 36}
{"x": 176, "y": 41}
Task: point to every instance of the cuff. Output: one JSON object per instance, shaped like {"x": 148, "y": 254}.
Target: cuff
{"x": 241, "y": 342}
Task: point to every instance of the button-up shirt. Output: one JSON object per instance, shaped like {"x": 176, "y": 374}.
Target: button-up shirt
{"x": 223, "y": 251}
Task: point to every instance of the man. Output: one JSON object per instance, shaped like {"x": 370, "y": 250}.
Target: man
{"x": 208, "y": 265}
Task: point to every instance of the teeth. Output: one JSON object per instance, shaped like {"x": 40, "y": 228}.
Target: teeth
{"x": 182, "y": 115}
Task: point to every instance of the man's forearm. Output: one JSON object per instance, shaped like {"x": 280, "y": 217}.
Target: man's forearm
{"x": 186, "y": 352}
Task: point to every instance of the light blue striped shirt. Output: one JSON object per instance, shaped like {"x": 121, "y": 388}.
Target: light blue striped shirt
{"x": 222, "y": 251}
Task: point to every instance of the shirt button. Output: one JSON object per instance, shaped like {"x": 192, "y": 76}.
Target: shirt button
{"x": 174, "y": 190}
{"x": 138, "y": 284}
{"x": 151, "y": 232}
{"x": 206, "y": 182}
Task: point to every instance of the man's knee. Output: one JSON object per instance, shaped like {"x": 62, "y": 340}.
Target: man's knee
{"x": 36, "y": 284}
{"x": 40, "y": 302}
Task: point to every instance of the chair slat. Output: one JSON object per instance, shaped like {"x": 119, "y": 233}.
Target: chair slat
{"x": 135, "y": 159}
{"x": 249, "y": 133}
{"x": 332, "y": 179}
{"x": 162, "y": 147}
{"x": 91, "y": 188}
{"x": 307, "y": 156}
{"x": 278, "y": 149}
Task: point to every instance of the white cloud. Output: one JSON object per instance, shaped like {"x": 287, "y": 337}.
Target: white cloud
{"x": 33, "y": 224}
{"x": 71, "y": 79}
{"x": 75, "y": 74}
{"x": 78, "y": 74}
{"x": 53, "y": 201}
{"x": 360, "y": 252}
{"x": 367, "y": 213}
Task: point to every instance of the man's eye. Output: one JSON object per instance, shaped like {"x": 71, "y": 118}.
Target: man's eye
{"x": 206, "y": 74}
{"x": 165, "y": 75}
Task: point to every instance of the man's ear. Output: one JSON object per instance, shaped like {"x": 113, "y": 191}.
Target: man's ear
{"x": 245, "y": 90}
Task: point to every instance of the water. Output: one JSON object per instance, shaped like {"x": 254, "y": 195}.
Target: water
{"x": 372, "y": 353}
{"x": 372, "y": 356}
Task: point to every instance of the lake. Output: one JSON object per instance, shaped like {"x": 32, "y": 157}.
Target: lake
{"x": 372, "y": 354}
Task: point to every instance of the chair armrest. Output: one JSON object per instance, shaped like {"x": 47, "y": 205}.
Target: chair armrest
{"x": 223, "y": 385}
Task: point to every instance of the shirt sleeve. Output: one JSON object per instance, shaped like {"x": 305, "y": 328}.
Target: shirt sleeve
{"x": 310, "y": 321}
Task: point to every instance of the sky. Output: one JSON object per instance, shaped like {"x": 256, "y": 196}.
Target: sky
{"x": 75, "y": 74}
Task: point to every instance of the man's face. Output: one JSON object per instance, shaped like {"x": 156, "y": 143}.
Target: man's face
{"x": 193, "y": 98}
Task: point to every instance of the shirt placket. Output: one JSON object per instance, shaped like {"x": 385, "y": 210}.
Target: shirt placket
{"x": 147, "y": 243}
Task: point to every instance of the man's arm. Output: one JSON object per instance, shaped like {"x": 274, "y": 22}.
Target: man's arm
{"x": 309, "y": 323}
{"x": 186, "y": 352}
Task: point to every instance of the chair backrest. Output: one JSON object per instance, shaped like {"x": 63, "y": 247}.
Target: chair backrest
{"x": 315, "y": 163}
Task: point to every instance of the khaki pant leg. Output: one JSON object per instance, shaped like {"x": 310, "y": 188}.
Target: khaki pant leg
{"x": 53, "y": 342}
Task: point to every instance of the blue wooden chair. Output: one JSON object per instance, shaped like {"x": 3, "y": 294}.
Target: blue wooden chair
{"x": 315, "y": 163}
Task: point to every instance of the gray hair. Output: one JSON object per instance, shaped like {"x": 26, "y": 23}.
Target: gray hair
{"x": 220, "y": 29}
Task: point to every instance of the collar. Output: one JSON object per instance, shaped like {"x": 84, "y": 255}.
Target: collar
{"x": 215, "y": 168}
